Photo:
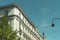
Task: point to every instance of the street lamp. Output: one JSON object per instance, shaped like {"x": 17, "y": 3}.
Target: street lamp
{"x": 53, "y": 21}
{"x": 43, "y": 36}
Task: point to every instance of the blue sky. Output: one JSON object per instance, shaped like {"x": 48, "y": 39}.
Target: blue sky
{"x": 41, "y": 13}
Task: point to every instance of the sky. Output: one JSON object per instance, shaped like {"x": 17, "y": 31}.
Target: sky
{"x": 41, "y": 13}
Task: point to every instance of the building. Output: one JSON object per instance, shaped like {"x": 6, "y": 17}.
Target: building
{"x": 20, "y": 22}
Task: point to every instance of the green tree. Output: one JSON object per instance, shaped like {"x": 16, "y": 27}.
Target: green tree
{"x": 6, "y": 31}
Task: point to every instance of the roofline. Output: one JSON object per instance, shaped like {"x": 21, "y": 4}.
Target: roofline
{"x": 19, "y": 7}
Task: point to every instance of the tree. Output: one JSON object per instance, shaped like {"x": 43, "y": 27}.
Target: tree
{"x": 6, "y": 31}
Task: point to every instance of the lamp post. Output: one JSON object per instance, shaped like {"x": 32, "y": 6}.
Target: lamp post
{"x": 43, "y": 36}
{"x": 53, "y": 21}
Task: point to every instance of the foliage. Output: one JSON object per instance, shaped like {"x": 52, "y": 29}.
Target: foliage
{"x": 6, "y": 31}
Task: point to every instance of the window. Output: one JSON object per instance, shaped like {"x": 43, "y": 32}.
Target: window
{"x": 19, "y": 14}
{"x": 6, "y": 12}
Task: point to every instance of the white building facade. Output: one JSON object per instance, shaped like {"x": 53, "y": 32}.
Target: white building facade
{"x": 20, "y": 22}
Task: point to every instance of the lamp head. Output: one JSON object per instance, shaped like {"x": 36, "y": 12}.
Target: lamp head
{"x": 43, "y": 33}
{"x": 52, "y": 25}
